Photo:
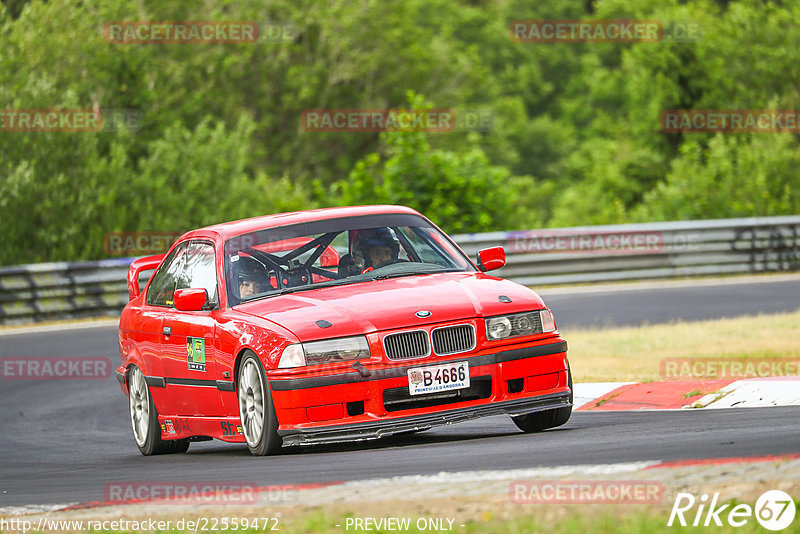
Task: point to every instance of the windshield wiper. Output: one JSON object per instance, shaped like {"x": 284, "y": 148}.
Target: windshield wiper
{"x": 318, "y": 285}
{"x": 384, "y": 276}
{"x": 287, "y": 290}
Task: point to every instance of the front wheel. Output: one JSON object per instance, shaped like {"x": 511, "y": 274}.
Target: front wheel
{"x": 144, "y": 419}
{"x": 256, "y": 410}
{"x": 539, "y": 421}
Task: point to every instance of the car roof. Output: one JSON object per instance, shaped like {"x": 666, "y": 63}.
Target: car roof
{"x": 243, "y": 226}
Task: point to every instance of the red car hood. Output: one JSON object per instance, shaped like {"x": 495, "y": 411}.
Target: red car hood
{"x": 387, "y": 304}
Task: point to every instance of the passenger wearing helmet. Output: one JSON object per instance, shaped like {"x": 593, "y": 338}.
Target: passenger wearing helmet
{"x": 375, "y": 248}
{"x": 252, "y": 277}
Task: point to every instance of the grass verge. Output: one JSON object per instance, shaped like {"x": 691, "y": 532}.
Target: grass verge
{"x": 584, "y": 519}
{"x": 539, "y": 519}
{"x": 635, "y": 353}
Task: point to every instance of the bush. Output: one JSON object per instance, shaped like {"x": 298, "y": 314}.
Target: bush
{"x": 460, "y": 191}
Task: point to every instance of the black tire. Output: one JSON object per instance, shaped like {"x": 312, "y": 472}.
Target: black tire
{"x": 148, "y": 434}
{"x": 178, "y": 446}
{"x": 539, "y": 421}
{"x": 254, "y": 395}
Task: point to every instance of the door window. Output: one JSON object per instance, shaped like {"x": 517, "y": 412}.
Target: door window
{"x": 163, "y": 285}
{"x": 191, "y": 265}
{"x": 199, "y": 270}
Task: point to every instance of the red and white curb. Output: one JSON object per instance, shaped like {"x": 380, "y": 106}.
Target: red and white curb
{"x": 680, "y": 394}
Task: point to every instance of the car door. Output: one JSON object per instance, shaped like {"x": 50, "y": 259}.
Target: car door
{"x": 189, "y": 339}
{"x": 150, "y": 325}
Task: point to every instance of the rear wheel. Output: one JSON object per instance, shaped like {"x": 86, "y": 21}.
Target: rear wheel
{"x": 256, "y": 410}
{"x": 144, "y": 419}
{"x": 538, "y": 421}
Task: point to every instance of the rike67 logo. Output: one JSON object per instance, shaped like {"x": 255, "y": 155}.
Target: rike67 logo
{"x": 774, "y": 510}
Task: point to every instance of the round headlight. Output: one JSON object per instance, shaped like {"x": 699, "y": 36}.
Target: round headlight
{"x": 524, "y": 324}
{"x": 498, "y": 327}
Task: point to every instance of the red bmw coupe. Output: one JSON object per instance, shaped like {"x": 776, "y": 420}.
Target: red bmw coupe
{"x": 331, "y": 325}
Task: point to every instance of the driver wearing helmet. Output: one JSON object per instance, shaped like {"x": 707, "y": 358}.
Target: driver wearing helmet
{"x": 375, "y": 248}
{"x": 252, "y": 277}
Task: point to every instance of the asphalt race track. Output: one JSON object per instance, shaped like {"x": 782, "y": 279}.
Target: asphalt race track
{"x": 63, "y": 441}
{"x": 687, "y": 301}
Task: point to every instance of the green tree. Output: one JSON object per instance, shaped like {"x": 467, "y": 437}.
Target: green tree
{"x": 740, "y": 175}
{"x": 460, "y": 191}
{"x": 576, "y": 135}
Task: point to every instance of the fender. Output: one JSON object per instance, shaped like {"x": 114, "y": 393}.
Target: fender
{"x": 264, "y": 337}
{"x": 133, "y": 358}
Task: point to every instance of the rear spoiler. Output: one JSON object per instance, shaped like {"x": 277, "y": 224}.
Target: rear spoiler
{"x": 141, "y": 264}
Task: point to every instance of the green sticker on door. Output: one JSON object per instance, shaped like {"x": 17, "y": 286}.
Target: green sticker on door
{"x": 196, "y": 353}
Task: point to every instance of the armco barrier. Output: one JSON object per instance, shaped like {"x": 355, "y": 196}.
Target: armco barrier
{"x": 645, "y": 251}
{"x": 63, "y": 290}
{"x": 31, "y": 293}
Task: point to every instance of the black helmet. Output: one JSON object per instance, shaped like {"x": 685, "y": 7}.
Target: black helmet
{"x": 251, "y": 270}
{"x": 372, "y": 238}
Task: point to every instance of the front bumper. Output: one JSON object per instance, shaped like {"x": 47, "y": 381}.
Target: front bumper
{"x": 372, "y": 403}
{"x": 380, "y": 429}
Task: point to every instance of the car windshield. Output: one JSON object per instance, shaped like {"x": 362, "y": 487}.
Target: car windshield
{"x": 336, "y": 251}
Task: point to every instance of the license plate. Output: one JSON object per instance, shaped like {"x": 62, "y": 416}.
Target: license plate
{"x": 436, "y": 378}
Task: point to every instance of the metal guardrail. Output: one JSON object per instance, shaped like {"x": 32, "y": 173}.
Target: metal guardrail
{"x": 46, "y": 291}
{"x": 63, "y": 290}
{"x": 645, "y": 251}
